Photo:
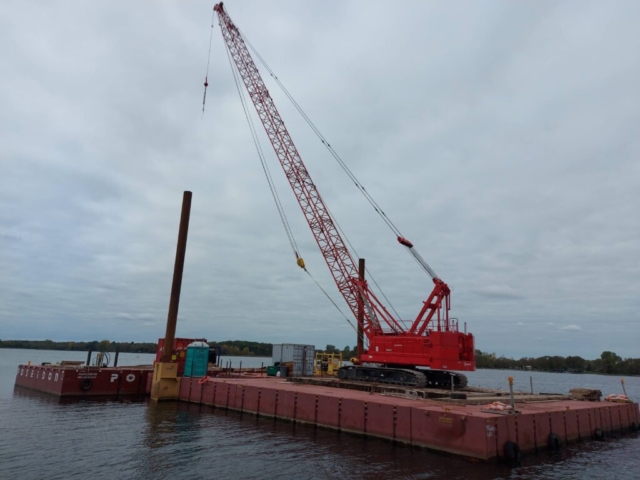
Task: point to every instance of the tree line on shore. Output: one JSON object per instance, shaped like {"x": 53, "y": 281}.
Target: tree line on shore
{"x": 94, "y": 346}
{"x": 227, "y": 347}
{"x": 347, "y": 353}
{"x": 244, "y": 348}
{"x": 608, "y": 363}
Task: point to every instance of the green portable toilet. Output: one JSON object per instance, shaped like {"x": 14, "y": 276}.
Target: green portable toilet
{"x": 197, "y": 359}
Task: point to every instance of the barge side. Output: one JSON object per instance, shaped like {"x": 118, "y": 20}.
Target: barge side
{"x": 464, "y": 430}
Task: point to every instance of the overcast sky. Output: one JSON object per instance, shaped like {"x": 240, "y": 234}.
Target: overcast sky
{"x": 502, "y": 138}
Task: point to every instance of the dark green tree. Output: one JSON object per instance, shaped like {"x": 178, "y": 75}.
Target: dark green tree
{"x": 610, "y": 362}
{"x": 331, "y": 349}
{"x": 575, "y": 363}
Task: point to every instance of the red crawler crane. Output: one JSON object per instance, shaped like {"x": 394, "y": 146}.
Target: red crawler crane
{"x": 433, "y": 340}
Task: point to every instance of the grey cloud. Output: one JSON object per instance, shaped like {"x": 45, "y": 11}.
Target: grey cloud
{"x": 501, "y": 139}
{"x": 571, "y": 327}
{"x": 499, "y": 292}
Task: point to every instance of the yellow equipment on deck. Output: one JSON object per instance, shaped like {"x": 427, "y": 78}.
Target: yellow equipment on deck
{"x": 327, "y": 364}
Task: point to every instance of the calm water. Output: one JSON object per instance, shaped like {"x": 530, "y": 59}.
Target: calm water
{"x": 42, "y": 438}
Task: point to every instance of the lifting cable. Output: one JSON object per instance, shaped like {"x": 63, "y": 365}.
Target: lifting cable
{"x": 273, "y": 190}
{"x": 417, "y": 257}
{"x": 206, "y": 78}
{"x": 332, "y": 301}
{"x": 272, "y": 187}
{"x": 265, "y": 167}
{"x": 366, "y": 269}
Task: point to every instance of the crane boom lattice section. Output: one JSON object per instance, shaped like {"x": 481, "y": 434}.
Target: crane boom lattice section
{"x": 333, "y": 248}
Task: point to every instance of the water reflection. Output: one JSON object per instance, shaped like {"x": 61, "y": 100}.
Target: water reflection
{"x": 234, "y": 445}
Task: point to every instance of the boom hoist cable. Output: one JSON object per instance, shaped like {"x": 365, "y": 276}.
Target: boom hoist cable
{"x": 274, "y": 192}
{"x": 400, "y": 237}
{"x": 335, "y": 155}
{"x": 351, "y": 176}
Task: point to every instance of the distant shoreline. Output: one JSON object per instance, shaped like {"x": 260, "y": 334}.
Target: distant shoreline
{"x": 228, "y": 348}
{"x": 609, "y": 363}
{"x": 113, "y": 351}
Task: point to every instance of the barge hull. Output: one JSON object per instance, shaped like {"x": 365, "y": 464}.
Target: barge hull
{"x": 83, "y": 381}
{"x": 463, "y": 430}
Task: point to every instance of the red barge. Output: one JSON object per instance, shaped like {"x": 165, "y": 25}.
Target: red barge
{"x": 460, "y": 425}
{"x": 78, "y": 379}
{"x": 74, "y": 380}
{"x": 457, "y": 428}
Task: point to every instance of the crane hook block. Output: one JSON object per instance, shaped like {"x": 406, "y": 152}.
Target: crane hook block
{"x": 300, "y": 262}
{"x": 405, "y": 242}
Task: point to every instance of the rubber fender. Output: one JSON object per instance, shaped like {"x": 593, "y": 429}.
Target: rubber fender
{"x": 458, "y": 396}
{"x": 554, "y": 442}
{"x": 86, "y": 384}
{"x": 634, "y": 427}
{"x": 598, "y": 434}
{"x": 512, "y": 451}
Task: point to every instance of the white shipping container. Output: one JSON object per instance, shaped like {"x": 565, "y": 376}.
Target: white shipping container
{"x": 302, "y": 357}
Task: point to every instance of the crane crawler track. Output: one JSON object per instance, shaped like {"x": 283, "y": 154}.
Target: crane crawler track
{"x": 394, "y": 376}
{"x": 443, "y": 378}
{"x": 401, "y": 376}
